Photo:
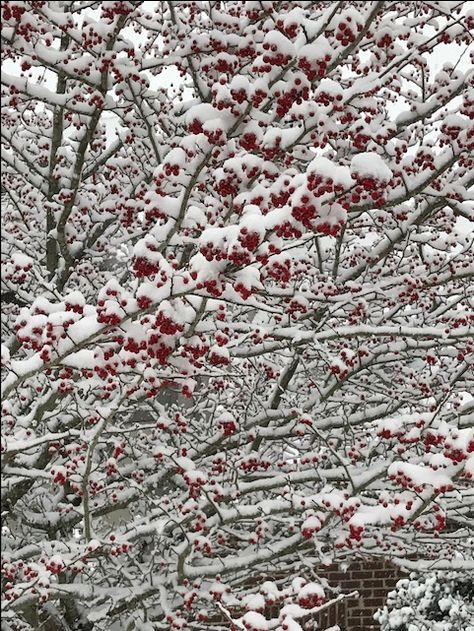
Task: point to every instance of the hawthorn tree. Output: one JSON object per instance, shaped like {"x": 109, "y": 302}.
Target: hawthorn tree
{"x": 237, "y": 282}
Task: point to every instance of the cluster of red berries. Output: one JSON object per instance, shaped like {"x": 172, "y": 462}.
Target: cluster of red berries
{"x": 314, "y": 68}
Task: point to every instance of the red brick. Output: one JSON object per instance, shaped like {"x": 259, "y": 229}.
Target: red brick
{"x": 369, "y": 584}
{"x": 362, "y": 575}
{"x": 379, "y": 583}
{"x": 349, "y": 586}
{"x": 373, "y": 603}
{"x": 385, "y": 573}
{"x": 358, "y": 612}
{"x": 337, "y": 580}
{"x": 372, "y": 580}
{"x": 374, "y": 566}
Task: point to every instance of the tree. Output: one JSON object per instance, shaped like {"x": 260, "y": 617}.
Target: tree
{"x": 430, "y": 602}
{"x": 238, "y": 305}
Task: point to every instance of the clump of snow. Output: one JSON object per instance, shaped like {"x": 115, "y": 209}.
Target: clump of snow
{"x": 311, "y": 589}
{"x": 5, "y": 355}
{"x": 254, "y": 621}
{"x": 327, "y": 169}
{"x": 419, "y": 475}
{"x": 328, "y": 86}
{"x": 291, "y": 625}
{"x": 370, "y": 165}
{"x": 317, "y": 50}
{"x": 208, "y": 115}
{"x": 282, "y": 43}
{"x": 254, "y": 602}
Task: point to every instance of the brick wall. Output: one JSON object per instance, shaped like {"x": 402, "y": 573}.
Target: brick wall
{"x": 373, "y": 580}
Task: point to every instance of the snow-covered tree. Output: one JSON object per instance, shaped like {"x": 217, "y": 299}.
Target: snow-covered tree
{"x": 238, "y": 326}
{"x": 441, "y": 601}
